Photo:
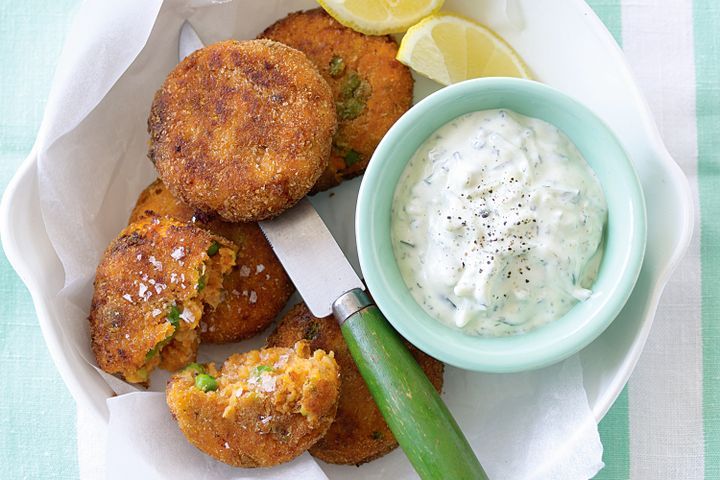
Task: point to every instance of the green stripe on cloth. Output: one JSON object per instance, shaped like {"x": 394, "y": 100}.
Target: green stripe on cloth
{"x": 610, "y": 13}
{"x": 37, "y": 414}
{"x": 615, "y": 436}
{"x": 707, "y": 73}
{"x": 615, "y": 427}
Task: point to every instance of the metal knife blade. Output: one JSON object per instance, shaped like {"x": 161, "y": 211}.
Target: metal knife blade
{"x": 311, "y": 257}
{"x": 189, "y": 40}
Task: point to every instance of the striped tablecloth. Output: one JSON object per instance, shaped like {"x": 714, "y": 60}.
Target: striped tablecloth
{"x": 666, "y": 423}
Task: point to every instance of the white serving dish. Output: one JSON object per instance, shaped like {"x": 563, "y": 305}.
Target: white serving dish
{"x": 590, "y": 67}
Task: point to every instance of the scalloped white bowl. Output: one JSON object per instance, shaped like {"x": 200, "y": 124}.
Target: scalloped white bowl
{"x": 591, "y": 68}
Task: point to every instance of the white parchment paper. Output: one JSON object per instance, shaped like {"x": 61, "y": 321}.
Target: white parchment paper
{"x": 91, "y": 167}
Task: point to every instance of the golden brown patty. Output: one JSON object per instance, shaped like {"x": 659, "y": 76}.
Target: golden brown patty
{"x": 242, "y": 129}
{"x": 256, "y": 289}
{"x": 270, "y": 405}
{"x": 359, "y": 433}
{"x": 150, "y": 288}
{"x": 370, "y": 87}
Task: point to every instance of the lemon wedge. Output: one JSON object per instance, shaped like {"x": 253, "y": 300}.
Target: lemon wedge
{"x": 380, "y": 17}
{"x": 448, "y": 49}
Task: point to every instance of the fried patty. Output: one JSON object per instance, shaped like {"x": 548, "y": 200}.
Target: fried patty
{"x": 242, "y": 129}
{"x": 268, "y": 406}
{"x": 150, "y": 288}
{"x": 370, "y": 87}
{"x": 255, "y": 290}
{"x": 359, "y": 433}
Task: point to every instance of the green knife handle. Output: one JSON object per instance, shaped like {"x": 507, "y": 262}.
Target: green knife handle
{"x": 417, "y": 416}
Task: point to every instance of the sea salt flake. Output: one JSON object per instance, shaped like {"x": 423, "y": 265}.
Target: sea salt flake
{"x": 155, "y": 263}
{"x": 245, "y": 271}
{"x": 139, "y": 256}
{"x": 156, "y": 312}
{"x": 267, "y": 383}
{"x": 178, "y": 253}
{"x": 227, "y": 445}
{"x": 281, "y": 361}
{"x": 187, "y": 316}
{"x": 260, "y": 268}
{"x": 253, "y": 297}
{"x": 127, "y": 297}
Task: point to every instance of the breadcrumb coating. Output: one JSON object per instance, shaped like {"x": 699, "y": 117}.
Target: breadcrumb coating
{"x": 242, "y": 129}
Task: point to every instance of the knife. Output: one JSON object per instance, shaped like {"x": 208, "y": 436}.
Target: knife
{"x": 412, "y": 408}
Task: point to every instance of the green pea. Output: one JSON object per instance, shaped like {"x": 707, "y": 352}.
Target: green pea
{"x": 260, "y": 369}
{"x": 213, "y": 249}
{"x": 354, "y": 93}
{"x": 350, "y": 108}
{"x": 153, "y": 351}
{"x": 195, "y": 367}
{"x": 156, "y": 349}
{"x": 174, "y": 316}
{"x": 352, "y": 82}
{"x": 312, "y": 331}
{"x": 206, "y": 383}
{"x": 202, "y": 281}
{"x": 352, "y": 157}
{"x": 337, "y": 66}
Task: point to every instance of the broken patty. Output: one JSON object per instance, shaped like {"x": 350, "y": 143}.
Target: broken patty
{"x": 150, "y": 290}
{"x": 262, "y": 408}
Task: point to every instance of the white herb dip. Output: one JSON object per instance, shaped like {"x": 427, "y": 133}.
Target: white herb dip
{"x": 497, "y": 224}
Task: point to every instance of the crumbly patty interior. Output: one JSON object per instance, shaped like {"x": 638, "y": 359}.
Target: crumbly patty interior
{"x": 185, "y": 340}
{"x": 288, "y": 380}
{"x": 262, "y": 408}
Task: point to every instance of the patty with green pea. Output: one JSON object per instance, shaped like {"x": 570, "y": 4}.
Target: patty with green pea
{"x": 370, "y": 87}
{"x": 151, "y": 288}
{"x": 262, "y": 408}
{"x": 256, "y": 289}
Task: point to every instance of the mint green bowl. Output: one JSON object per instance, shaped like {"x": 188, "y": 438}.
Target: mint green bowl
{"x": 625, "y": 233}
